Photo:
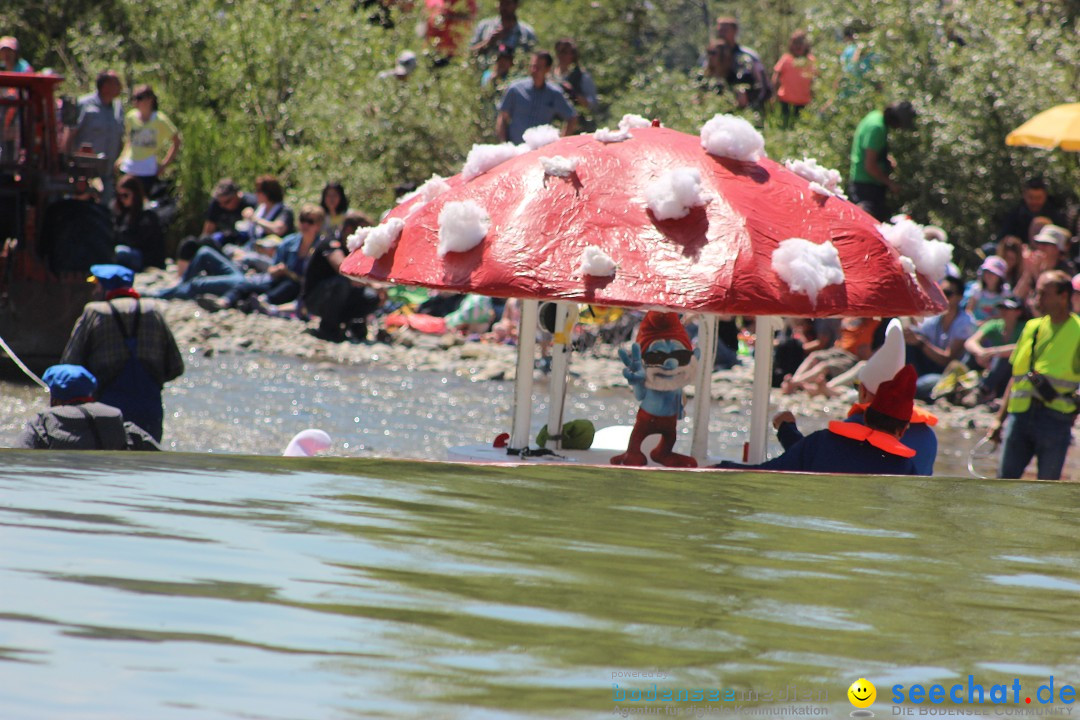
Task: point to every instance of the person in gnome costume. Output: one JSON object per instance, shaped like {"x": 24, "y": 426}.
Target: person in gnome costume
{"x": 659, "y": 365}
{"x": 846, "y": 447}
{"x": 883, "y": 365}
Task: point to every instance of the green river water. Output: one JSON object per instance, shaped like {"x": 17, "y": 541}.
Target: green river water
{"x": 193, "y": 586}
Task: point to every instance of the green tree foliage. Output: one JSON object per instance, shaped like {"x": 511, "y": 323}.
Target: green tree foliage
{"x": 292, "y": 87}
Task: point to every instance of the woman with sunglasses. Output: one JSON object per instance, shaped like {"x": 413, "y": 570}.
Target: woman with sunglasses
{"x": 140, "y": 242}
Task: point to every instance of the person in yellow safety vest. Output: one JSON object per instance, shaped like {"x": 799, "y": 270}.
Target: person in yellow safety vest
{"x": 1041, "y": 400}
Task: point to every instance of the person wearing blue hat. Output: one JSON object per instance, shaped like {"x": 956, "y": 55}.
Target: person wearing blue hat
{"x": 127, "y": 344}
{"x": 74, "y": 421}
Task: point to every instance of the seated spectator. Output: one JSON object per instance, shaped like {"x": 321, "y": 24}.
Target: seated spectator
{"x": 341, "y": 304}
{"x": 505, "y": 330}
{"x": 1011, "y": 250}
{"x": 474, "y": 315}
{"x": 281, "y": 283}
{"x": 854, "y": 344}
{"x": 799, "y": 338}
{"x": 227, "y": 205}
{"x": 505, "y": 30}
{"x": 335, "y": 203}
{"x": 1051, "y": 244}
{"x": 533, "y": 101}
{"x": 1035, "y": 201}
{"x": 939, "y": 340}
{"x": 9, "y": 56}
{"x": 74, "y": 421}
{"x": 793, "y": 77}
{"x": 140, "y": 242}
{"x": 983, "y": 295}
{"x": 575, "y": 82}
{"x": 203, "y": 270}
{"x": 989, "y": 347}
{"x": 271, "y": 216}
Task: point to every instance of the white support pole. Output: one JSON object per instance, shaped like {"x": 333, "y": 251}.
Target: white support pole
{"x": 707, "y": 339}
{"x": 765, "y": 326}
{"x": 523, "y": 382}
{"x": 565, "y": 317}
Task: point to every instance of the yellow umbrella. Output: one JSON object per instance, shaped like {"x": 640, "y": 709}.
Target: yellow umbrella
{"x": 1058, "y": 126}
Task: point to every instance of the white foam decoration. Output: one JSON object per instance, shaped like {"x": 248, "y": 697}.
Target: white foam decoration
{"x": 732, "y": 137}
{"x": 823, "y": 180}
{"x": 432, "y": 188}
{"x": 596, "y": 262}
{"x": 539, "y": 136}
{"x": 356, "y": 240}
{"x": 611, "y": 136}
{"x": 807, "y": 267}
{"x": 631, "y": 121}
{"x": 559, "y": 166}
{"x": 907, "y": 264}
{"x": 462, "y": 226}
{"x": 484, "y": 157}
{"x": 381, "y": 238}
{"x": 671, "y": 196}
{"x": 929, "y": 257}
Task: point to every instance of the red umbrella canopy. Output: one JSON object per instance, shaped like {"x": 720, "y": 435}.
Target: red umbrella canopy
{"x": 718, "y": 258}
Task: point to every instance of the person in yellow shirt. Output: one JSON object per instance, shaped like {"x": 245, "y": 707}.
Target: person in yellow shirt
{"x": 148, "y": 134}
{"x": 1041, "y": 401}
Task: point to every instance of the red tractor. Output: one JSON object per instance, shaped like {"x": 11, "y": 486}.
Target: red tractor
{"x": 48, "y": 239}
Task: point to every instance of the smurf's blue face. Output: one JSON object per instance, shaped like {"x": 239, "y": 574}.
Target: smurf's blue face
{"x": 669, "y": 365}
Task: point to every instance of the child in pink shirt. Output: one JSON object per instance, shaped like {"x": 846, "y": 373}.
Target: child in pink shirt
{"x": 793, "y": 76}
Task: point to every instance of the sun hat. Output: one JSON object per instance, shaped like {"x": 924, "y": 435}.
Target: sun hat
{"x": 113, "y": 277}
{"x": 1053, "y": 235}
{"x": 995, "y": 265}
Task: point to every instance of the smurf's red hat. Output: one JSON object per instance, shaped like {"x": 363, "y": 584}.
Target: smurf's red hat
{"x": 661, "y": 326}
{"x": 896, "y": 397}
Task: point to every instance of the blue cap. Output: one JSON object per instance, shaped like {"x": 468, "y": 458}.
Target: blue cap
{"x": 113, "y": 277}
{"x": 68, "y": 382}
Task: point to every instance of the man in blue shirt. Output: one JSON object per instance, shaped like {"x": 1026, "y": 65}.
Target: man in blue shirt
{"x": 101, "y": 126}
{"x": 533, "y": 101}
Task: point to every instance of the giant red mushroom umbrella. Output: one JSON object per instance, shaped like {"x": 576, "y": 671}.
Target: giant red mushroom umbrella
{"x": 718, "y": 259}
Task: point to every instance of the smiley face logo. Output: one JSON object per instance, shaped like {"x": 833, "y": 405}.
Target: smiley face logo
{"x": 862, "y": 693}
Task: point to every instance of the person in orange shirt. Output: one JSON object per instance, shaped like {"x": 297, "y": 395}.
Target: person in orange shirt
{"x": 793, "y": 77}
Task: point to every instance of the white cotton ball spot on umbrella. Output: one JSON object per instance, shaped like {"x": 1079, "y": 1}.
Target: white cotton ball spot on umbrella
{"x": 611, "y": 136}
{"x": 596, "y": 262}
{"x": 631, "y": 121}
{"x": 559, "y": 166}
{"x": 823, "y": 180}
{"x": 807, "y": 267}
{"x": 909, "y": 267}
{"x": 432, "y": 188}
{"x": 356, "y": 240}
{"x": 381, "y": 238}
{"x": 484, "y": 157}
{"x": 671, "y": 196}
{"x": 732, "y": 137}
{"x": 462, "y": 226}
{"x": 539, "y": 136}
{"x": 930, "y": 257}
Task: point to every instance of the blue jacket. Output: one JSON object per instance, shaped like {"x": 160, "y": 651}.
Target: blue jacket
{"x": 827, "y": 452}
{"x": 919, "y": 437}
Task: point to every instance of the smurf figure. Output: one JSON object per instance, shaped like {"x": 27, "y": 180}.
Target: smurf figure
{"x": 659, "y": 365}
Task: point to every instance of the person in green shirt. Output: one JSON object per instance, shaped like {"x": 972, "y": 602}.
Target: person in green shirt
{"x": 991, "y": 345}
{"x": 870, "y": 162}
